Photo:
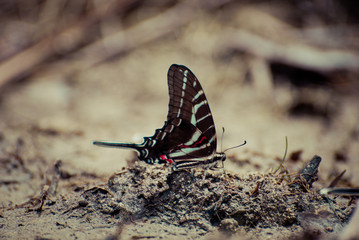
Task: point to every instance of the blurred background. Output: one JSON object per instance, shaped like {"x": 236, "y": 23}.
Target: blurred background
{"x": 76, "y": 71}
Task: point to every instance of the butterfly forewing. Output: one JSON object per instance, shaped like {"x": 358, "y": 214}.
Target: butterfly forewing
{"x": 188, "y": 102}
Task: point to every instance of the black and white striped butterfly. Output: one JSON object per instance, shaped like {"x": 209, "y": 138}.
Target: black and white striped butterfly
{"x": 188, "y": 137}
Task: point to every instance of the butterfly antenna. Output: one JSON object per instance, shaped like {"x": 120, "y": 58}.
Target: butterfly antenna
{"x": 245, "y": 142}
{"x": 222, "y": 138}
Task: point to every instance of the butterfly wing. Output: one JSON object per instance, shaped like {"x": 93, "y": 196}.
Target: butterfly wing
{"x": 189, "y": 103}
{"x": 187, "y": 99}
{"x": 188, "y": 137}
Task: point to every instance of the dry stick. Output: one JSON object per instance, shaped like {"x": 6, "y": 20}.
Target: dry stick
{"x": 144, "y": 32}
{"x": 337, "y": 179}
{"x": 49, "y": 17}
{"x": 48, "y": 190}
{"x": 21, "y": 63}
{"x": 25, "y": 61}
{"x": 160, "y": 25}
{"x": 128, "y": 39}
{"x": 122, "y": 41}
{"x": 300, "y": 55}
{"x": 308, "y": 174}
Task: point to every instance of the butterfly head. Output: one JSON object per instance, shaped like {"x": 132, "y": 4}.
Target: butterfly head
{"x": 219, "y": 157}
{"x": 217, "y": 161}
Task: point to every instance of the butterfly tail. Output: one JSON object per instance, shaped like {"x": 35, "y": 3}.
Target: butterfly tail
{"x": 134, "y": 146}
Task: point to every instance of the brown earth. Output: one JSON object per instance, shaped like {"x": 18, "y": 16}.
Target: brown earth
{"x": 269, "y": 70}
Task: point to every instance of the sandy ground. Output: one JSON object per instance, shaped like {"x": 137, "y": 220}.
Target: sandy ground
{"x": 55, "y": 114}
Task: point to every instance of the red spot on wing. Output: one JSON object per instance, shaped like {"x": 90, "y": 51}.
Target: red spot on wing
{"x": 164, "y": 157}
{"x": 194, "y": 144}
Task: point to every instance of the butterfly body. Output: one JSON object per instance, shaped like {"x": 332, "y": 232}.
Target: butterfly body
{"x": 188, "y": 137}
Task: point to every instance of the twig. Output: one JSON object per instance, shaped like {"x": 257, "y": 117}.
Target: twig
{"x": 304, "y": 56}
{"x": 337, "y": 179}
{"x": 49, "y": 189}
{"x": 27, "y": 60}
{"x": 145, "y": 31}
{"x": 308, "y": 174}
{"x": 120, "y": 42}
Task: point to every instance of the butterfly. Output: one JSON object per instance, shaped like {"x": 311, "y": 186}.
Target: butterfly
{"x": 188, "y": 138}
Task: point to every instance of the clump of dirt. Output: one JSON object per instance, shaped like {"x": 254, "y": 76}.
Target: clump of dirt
{"x": 205, "y": 200}
{"x": 177, "y": 203}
